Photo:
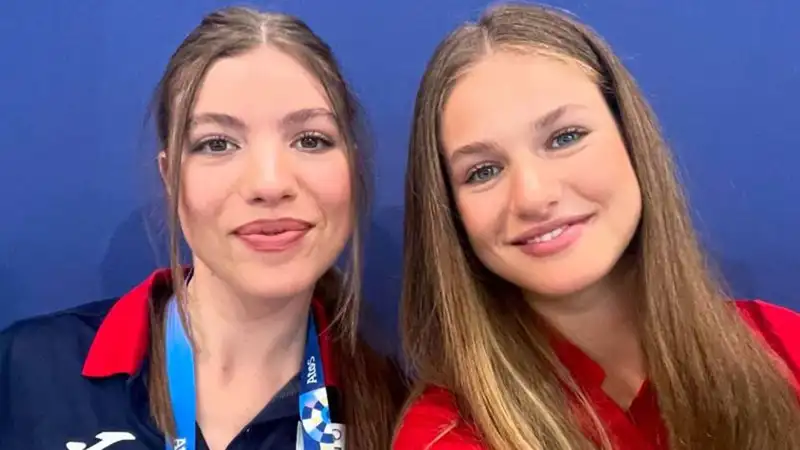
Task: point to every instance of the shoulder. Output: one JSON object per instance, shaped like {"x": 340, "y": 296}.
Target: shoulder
{"x": 73, "y": 330}
{"x": 41, "y": 356}
{"x": 778, "y": 326}
{"x": 60, "y": 337}
{"x": 432, "y": 422}
{"x": 97, "y": 339}
{"x": 773, "y": 314}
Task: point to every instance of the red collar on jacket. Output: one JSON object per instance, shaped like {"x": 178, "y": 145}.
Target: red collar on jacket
{"x": 123, "y": 339}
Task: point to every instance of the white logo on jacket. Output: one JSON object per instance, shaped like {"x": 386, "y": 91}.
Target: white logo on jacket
{"x": 106, "y": 438}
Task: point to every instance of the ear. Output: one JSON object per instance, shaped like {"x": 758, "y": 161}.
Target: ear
{"x": 163, "y": 169}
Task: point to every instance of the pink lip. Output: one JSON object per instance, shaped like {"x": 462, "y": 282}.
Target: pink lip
{"x": 572, "y": 228}
{"x": 273, "y": 235}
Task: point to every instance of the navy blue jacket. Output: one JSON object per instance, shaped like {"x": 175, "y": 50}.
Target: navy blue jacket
{"x": 77, "y": 380}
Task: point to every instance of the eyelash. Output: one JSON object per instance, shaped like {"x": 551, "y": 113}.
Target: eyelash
{"x": 476, "y": 169}
{"x": 321, "y": 139}
{"x": 202, "y": 146}
{"x": 578, "y": 132}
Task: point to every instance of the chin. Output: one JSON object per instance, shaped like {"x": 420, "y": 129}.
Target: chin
{"x": 556, "y": 288}
{"x": 281, "y": 290}
{"x": 564, "y": 282}
{"x": 276, "y": 284}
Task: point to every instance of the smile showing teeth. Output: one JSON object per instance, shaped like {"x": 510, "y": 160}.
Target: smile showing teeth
{"x": 550, "y": 235}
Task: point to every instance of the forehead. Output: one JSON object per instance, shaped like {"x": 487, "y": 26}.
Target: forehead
{"x": 263, "y": 81}
{"x": 504, "y": 90}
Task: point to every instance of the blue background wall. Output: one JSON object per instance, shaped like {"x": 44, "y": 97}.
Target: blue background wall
{"x": 80, "y": 199}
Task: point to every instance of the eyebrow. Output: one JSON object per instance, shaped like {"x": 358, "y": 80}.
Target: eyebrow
{"x": 224, "y": 120}
{"x": 552, "y": 117}
{"x": 302, "y": 116}
{"x": 294, "y": 118}
{"x": 540, "y": 123}
{"x": 473, "y": 148}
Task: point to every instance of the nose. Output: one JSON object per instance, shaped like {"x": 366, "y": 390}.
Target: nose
{"x": 268, "y": 175}
{"x": 535, "y": 190}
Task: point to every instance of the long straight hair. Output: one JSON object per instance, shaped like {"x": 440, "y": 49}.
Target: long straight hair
{"x": 718, "y": 387}
{"x": 372, "y": 387}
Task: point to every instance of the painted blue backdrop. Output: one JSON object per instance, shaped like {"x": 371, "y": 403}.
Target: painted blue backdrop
{"x": 79, "y": 197}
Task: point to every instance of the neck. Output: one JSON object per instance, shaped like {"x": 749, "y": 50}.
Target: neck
{"x": 236, "y": 335}
{"x": 600, "y": 320}
{"x": 246, "y": 349}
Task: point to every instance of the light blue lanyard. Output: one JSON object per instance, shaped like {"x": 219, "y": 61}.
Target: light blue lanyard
{"x": 316, "y": 429}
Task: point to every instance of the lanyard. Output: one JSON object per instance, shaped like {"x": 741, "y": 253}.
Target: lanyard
{"x": 315, "y": 429}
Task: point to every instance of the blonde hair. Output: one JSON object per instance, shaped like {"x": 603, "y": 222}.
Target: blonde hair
{"x": 467, "y": 330}
{"x": 372, "y": 388}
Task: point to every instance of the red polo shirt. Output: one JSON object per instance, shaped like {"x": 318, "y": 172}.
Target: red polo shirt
{"x": 638, "y": 428}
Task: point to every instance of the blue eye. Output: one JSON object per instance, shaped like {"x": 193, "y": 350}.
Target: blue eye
{"x": 483, "y": 173}
{"x": 567, "y": 137}
{"x": 312, "y": 141}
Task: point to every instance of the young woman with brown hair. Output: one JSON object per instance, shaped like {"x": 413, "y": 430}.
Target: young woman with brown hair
{"x": 265, "y": 180}
{"x": 555, "y": 295}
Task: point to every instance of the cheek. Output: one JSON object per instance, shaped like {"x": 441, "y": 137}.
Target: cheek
{"x": 606, "y": 178}
{"x": 604, "y": 173}
{"x": 331, "y": 186}
{"x": 203, "y": 193}
{"x": 482, "y": 215}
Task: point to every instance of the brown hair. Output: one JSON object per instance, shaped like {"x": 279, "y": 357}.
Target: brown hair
{"x": 718, "y": 387}
{"x": 372, "y": 389}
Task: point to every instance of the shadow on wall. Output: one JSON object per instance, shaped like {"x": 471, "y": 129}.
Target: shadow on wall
{"x": 138, "y": 246}
{"x": 382, "y": 279}
{"x": 755, "y": 277}
{"x": 738, "y": 278}
{"x": 12, "y": 290}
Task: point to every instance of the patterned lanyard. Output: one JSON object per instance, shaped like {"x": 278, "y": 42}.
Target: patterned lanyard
{"x": 316, "y": 430}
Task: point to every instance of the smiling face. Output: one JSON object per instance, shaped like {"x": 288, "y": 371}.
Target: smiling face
{"x": 540, "y": 173}
{"x": 265, "y": 195}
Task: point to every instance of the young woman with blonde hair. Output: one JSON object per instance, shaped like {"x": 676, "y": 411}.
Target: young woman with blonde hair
{"x": 555, "y": 294}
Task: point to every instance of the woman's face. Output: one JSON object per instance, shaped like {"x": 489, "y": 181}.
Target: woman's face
{"x": 265, "y": 198}
{"x": 540, "y": 173}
